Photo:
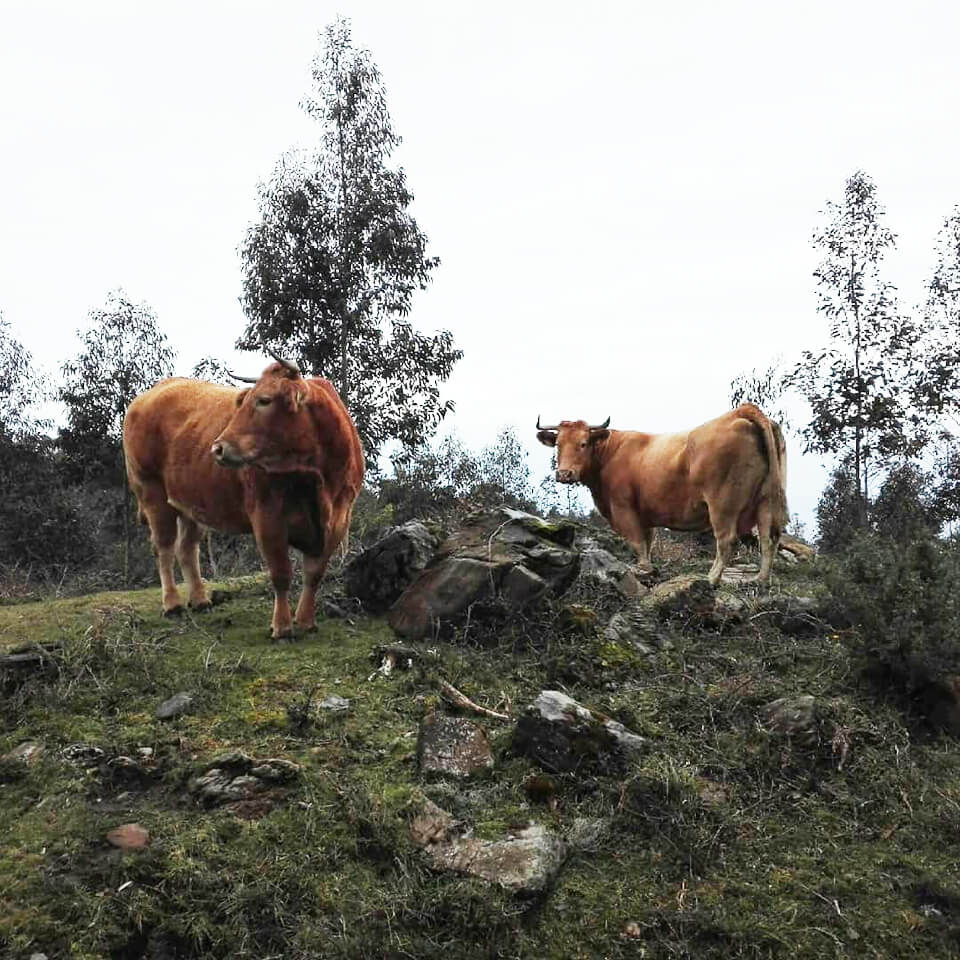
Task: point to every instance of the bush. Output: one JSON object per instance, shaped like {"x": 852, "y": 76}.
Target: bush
{"x": 904, "y": 598}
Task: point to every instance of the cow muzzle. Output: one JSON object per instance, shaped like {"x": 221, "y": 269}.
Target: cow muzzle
{"x": 226, "y": 455}
{"x": 566, "y": 476}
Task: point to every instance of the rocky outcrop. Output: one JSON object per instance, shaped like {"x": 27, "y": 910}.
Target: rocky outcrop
{"x": 508, "y": 555}
{"x": 383, "y": 571}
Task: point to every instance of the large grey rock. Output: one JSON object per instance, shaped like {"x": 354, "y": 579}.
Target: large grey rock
{"x": 383, "y": 571}
{"x": 453, "y": 746}
{"x": 525, "y": 862}
{"x": 506, "y": 553}
{"x": 599, "y": 564}
{"x": 562, "y": 735}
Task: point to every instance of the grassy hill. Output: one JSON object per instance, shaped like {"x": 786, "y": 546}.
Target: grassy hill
{"x": 722, "y": 839}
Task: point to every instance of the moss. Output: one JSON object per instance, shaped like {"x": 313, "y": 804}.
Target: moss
{"x": 721, "y": 842}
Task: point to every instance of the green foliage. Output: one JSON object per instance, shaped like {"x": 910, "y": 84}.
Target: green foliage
{"x": 859, "y": 387}
{"x": 765, "y": 388}
{"x": 841, "y": 509}
{"x": 331, "y": 267}
{"x": 123, "y": 353}
{"x": 904, "y": 599}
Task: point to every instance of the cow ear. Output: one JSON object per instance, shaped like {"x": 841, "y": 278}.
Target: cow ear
{"x": 241, "y": 396}
{"x": 596, "y": 435}
{"x": 547, "y": 437}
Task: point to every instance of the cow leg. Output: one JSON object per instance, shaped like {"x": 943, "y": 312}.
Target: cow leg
{"x": 313, "y": 570}
{"x": 725, "y": 533}
{"x": 162, "y": 519}
{"x": 271, "y": 535}
{"x": 625, "y": 521}
{"x": 769, "y": 540}
{"x": 188, "y": 553}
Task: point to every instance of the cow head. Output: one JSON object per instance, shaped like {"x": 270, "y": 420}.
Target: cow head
{"x": 575, "y": 442}
{"x": 272, "y": 427}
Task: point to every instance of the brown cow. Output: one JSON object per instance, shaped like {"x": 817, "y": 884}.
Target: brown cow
{"x": 281, "y": 460}
{"x": 728, "y": 474}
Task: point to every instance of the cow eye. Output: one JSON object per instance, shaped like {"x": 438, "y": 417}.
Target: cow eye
{"x": 264, "y": 401}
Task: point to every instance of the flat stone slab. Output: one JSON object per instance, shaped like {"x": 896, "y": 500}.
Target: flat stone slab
{"x": 453, "y": 746}
{"x": 524, "y": 862}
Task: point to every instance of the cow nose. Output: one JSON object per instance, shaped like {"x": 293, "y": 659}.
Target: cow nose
{"x": 565, "y": 476}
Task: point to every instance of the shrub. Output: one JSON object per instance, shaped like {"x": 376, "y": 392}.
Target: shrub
{"x": 904, "y": 598}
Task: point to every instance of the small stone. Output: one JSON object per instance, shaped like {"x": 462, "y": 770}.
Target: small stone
{"x": 792, "y": 717}
{"x": 82, "y": 754}
{"x": 129, "y": 836}
{"x": 174, "y": 706}
{"x": 334, "y": 703}
{"x": 739, "y": 573}
{"x": 453, "y": 746}
{"x": 633, "y": 627}
{"x": 27, "y": 752}
{"x": 276, "y": 770}
{"x": 432, "y": 825}
{"x": 38, "y": 956}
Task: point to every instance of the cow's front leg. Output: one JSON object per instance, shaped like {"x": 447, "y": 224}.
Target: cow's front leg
{"x": 624, "y": 519}
{"x": 270, "y": 531}
{"x": 313, "y": 571}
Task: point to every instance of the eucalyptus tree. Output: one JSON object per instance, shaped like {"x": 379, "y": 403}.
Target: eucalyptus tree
{"x": 331, "y": 266}
{"x": 859, "y": 386}
{"x": 123, "y": 352}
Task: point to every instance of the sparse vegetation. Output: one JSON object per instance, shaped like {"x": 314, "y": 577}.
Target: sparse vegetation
{"x": 725, "y": 837}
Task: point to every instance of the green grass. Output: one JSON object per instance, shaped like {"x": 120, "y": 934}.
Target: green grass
{"x": 724, "y": 841}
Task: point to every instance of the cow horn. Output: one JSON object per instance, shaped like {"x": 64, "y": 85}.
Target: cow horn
{"x": 548, "y": 429}
{"x": 288, "y": 365}
{"x": 602, "y": 426}
{"x": 236, "y": 376}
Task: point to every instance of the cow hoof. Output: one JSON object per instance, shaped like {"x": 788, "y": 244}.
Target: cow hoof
{"x": 306, "y": 628}
{"x": 176, "y": 611}
{"x": 197, "y": 607}
{"x": 283, "y": 636}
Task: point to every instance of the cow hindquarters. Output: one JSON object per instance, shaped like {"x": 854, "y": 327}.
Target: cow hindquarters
{"x": 188, "y": 553}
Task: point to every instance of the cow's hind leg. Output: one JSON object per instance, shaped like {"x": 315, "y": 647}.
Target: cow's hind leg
{"x": 162, "y": 519}
{"x": 724, "y": 525}
{"x": 769, "y": 537}
{"x": 188, "y": 553}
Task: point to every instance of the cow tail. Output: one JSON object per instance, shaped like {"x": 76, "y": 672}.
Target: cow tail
{"x": 775, "y": 487}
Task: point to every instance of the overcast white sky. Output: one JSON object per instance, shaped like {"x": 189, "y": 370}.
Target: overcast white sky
{"x": 621, "y": 194}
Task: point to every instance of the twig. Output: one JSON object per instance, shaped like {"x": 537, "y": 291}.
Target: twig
{"x": 461, "y": 701}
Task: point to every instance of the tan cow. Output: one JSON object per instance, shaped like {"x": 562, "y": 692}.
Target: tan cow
{"x": 728, "y": 474}
{"x": 281, "y": 460}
